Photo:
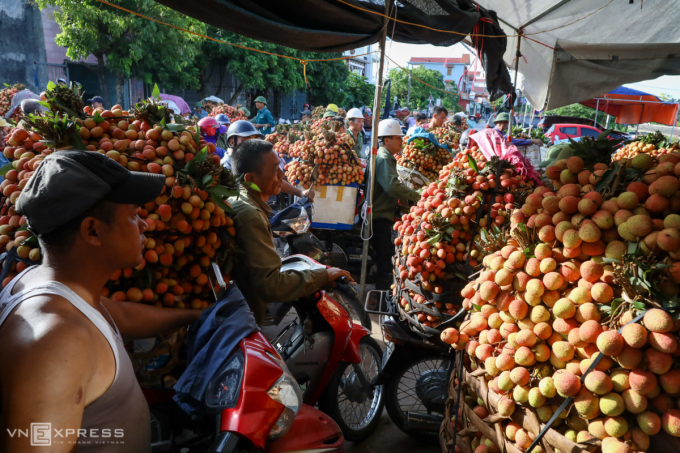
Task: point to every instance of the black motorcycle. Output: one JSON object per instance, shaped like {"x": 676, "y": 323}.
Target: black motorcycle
{"x": 415, "y": 374}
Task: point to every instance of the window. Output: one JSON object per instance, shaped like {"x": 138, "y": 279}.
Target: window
{"x": 568, "y": 130}
{"x": 448, "y": 71}
{"x": 588, "y": 132}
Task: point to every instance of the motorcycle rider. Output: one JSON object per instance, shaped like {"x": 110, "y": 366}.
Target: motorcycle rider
{"x": 62, "y": 357}
{"x": 388, "y": 190}
{"x": 355, "y": 123}
{"x": 210, "y": 131}
{"x": 225, "y": 122}
{"x": 241, "y": 131}
{"x": 259, "y": 274}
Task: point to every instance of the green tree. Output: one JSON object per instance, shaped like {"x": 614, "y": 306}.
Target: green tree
{"x": 359, "y": 92}
{"x": 128, "y": 45}
{"x": 420, "y": 92}
{"x": 326, "y": 79}
{"x": 580, "y": 111}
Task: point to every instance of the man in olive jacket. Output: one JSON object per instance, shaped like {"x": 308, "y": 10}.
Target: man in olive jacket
{"x": 387, "y": 191}
{"x": 258, "y": 272}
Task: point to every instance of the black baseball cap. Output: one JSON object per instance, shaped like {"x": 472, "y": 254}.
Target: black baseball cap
{"x": 68, "y": 183}
{"x": 97, "y": 99}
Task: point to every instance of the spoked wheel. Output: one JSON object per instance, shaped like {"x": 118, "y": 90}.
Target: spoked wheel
{"x": 345, "y": 399}
{"x": 419, "y": 385}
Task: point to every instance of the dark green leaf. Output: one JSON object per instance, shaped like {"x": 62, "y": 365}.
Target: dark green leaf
{"x": 23, "y": 228}
{"x": 639, "y": 305}
{"x": 51, "y": 85}
{"x": 610, "y": 260}
{"x": 662, "y": 266}
{"x": 219, "y": 202}
{"x": 32, "y": 241}
{"x": 477, "y": 307}
{"x": 5, "y": 168}
{"x": 223, "y": 192}
{"x": 98, "y": 118}
{"x": 632, "y": 247}
{"x": 606, "y": 179}
{"x": 450, "y": 229}
{"x": 604, "y": 134}
{"x": 207, "y": 179}
{"x": 201, "y": 156}
{"x": 175, "y": 127}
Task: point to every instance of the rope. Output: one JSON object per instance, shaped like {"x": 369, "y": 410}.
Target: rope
{"x": 472, "y": 34}
{"x": 303, "y": 62}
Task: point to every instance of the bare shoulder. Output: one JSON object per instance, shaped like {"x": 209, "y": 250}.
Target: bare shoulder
{"x": 45, "y": 330}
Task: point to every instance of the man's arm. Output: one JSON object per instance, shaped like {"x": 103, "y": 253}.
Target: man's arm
{"x": 521, "y": 141}
{"x": 264, "y": 264}
{"x": 135, "y": 320}
{"x": 388, "y": 178}
{"x": 288, "y": 188}
{"x": 44, "y": 378}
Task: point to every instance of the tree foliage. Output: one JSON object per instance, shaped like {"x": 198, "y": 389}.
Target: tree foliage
{"x": 420, "y": 93}
{"x": 128, "y": 45}
{"x": 358, "y": 91}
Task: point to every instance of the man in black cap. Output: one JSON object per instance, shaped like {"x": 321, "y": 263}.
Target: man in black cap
{"x": 62, "y": 358}
{"x": 97, "y": 102}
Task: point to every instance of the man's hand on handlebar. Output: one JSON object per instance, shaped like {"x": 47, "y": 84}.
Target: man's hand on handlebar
{"x": 309, "y": 193}
{"x": 336, "y": 274}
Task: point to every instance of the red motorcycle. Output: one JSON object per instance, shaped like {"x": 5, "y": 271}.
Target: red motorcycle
{"x": 256, "y": 405}
{"x": 335, "y": 361}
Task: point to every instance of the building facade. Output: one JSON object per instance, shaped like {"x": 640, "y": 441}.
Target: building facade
{"x": 362, "y": 64}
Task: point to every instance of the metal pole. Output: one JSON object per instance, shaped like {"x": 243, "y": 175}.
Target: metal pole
{"x": 374, "y": 152}
{"x": 674, "y": 124}
{"x": 533, "y": 112}
{"x": 518, "y": 55}
{"x": 597, "y": 110}
{"x": 408, "y": 95}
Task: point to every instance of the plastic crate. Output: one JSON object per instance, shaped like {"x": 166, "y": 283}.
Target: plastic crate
{"x": 335, "y": 206}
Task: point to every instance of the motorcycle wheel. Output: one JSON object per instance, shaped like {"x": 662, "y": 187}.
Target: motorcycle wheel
{"x": 420, "y": 384}
{"x": 344, "y": 399}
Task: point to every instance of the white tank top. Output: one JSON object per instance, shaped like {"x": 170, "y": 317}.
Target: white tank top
{"x": 122, "y": 409}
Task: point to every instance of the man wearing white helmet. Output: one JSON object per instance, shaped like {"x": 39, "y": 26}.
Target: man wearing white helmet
{"x": 387, "y": 191}
{"x": 355, "y": 124}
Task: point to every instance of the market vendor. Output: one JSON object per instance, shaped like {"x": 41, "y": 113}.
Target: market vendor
{"x": 241, "y": 131}
{"x": 199, "y": 110}
{"x": 501, "y": 122}
{"x": 264, "y": 121}
{"x": 211, "y": 130}
{"x": 388, "y": 190}
{"x": 305, "y": 115}
{"x": 421, "y": 121}
{"x": 259, "y": 274}
{"x": 97, "y": 102}
{"x": 439, "y": 115}
{"x": 355, "y": 123}
{"x": 62, "y": 357}
{"x": 331, "y": 110}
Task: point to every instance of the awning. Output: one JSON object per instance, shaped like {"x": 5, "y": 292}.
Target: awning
{"x": 631, "y": 106}
{"x": 339, "y": 25}
{"x": 587, "y": 47}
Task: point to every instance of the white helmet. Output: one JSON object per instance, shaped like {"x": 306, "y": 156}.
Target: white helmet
{"x": 389, "y": 128}
{"x": 354, "y": 113}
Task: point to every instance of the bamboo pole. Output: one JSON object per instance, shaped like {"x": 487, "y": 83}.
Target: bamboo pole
{"x": 372, "y": 155}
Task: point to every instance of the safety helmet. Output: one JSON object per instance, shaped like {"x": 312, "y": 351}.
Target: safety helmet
{"x": 223, "y": 119}
{"x": 208, "y": 122}
{"x": 242, "y": 128}
{"x": 332, "y": 108}
{"x": 354, "y": 113}
{"x": 389, "y": 128}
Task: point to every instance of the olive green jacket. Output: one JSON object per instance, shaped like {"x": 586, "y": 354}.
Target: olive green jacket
{"x": 258, "y": 271}
{"x": 388, "y": 189}
{"x": 358, "y": 142}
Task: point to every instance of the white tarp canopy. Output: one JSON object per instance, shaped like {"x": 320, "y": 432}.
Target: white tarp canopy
{"x": 619, "y": 43}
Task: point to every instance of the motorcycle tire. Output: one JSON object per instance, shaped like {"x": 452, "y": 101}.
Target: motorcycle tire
{"x": 344, "y": 377}
{"x": 394, "y": 392}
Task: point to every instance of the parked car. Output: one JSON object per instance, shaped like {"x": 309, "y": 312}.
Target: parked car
{"x": 548, "y": 121}
{"x": 564, "y": 131}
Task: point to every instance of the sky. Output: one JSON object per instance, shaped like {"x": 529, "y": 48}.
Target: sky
{"x": 401, "y": 53}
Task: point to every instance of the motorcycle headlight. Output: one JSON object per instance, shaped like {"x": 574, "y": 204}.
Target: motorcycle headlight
{"x": 299, "y": 224}
{"x": 223, "y": 389}
{"x": 287, "y": 392}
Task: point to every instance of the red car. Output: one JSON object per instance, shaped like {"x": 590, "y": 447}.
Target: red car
{"x": 564, "y": 131}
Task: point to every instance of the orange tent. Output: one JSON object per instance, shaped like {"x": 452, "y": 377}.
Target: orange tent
{"x": 634, "y": 107}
